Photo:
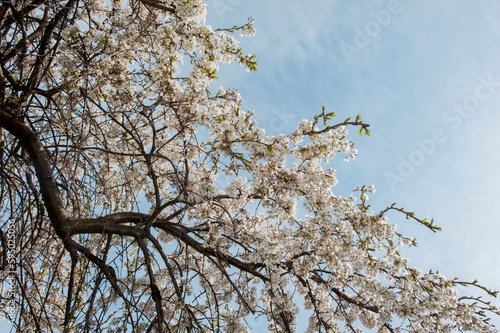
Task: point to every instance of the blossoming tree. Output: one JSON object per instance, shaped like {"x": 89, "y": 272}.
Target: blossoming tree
{"x": 111, "y": 142}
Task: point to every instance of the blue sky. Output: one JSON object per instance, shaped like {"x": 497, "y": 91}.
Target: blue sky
{"x": 427, "y": 79}
{"x": 417, "y": 68}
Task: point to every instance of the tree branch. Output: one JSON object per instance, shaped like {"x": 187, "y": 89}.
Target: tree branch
{"x": 41, "y": 161}
{"x": 158, "y": 5}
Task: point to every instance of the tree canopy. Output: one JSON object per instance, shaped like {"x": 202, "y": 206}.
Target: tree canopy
{"x": 111, "y": 142}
